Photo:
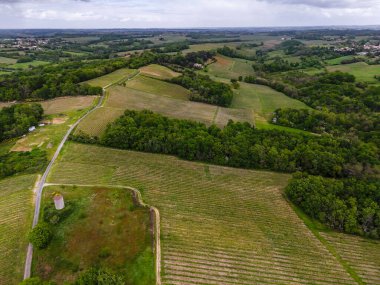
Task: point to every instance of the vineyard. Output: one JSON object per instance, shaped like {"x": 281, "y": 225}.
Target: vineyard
{"x": 115, "y": 76}
{"x": 158, "y": 71}
{"x": 219, "y": 225}
{"x": 16, "y": 209}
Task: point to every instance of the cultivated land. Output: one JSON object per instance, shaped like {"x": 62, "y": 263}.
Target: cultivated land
{"x": 16, "y": 210}
{"x": 115, "y": 76}
{"x": 7, "y": 60}
{"x": 155, "y": 86}
{"x": 219, "y": 225}
{"x": 67, "y": 104}
{"x": 105, "y": 228}
{"x": 158, "y": 71}
{"x": 361, "y": 70}
{"x": 230, "y": 68}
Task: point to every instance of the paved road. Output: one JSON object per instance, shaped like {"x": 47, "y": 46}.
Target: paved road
{"x": 40, "y": 186}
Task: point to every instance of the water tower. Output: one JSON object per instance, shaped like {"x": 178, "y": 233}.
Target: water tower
{"x": 59, "y": 203}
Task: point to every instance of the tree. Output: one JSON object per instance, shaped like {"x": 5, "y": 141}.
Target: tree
{"x": 41, "y": 235}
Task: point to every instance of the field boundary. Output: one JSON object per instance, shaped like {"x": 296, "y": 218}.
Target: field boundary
{"x": 153, "y": 210}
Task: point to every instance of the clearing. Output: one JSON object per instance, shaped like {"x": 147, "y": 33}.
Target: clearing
{"x": 121, "y": 238}
{"x": 361, "y": 70}
{"x": 16, "y": 213}
{"x": 219, "y": 225}
{"x": 115, "y": 76}
{"x": 158, "y": 71}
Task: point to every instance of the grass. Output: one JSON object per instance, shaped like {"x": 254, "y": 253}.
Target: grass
{"x": 208, "y": 46}
{"x": 115, "y": 76}
{"x": 25, "y": 65}
{"x": 263, "y": 101}
{"x": 7, "y": 60}
{"x": 158, "y": 71}
{"x": 16, "y": 211}
{"x": 338, "y": 60}
{"x": 230, "y": 68}
{"x": 155, "y": 86}
{"x": 104, "y": 228}
{"x": 361, "y": 70}
{"x": 66, "y": 104}
{"x": 219, "y": 225}
{"x": 122, "y": 98}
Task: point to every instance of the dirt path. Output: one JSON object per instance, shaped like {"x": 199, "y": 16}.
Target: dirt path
{"x": 156, "y": 220}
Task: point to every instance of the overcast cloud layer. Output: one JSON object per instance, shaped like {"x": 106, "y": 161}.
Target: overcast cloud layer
{"x": 185, "y": 13}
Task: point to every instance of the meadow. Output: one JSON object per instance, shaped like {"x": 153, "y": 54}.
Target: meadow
{"x": 121, "y": 239}
{"x": 158, "y": 71}
{"x": 361, "y": 70}
{"x": 230, "y": 68}
{"x": 67, "y": 104}
{"x": 112, "y": 77}
{"x": 219, "y": 225}
{"x": 7, "y": 60}
{"x": 16, "y": 212}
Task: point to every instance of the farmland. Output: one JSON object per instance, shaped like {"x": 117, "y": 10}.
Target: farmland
{"x": 230, "y": 68}
{"x": 158, "y": 71}
{"x": 115, "y": 76}
{"x": 67, "y": 104}
{"x": 361, "y": 70}
{"x": 219, "y": 225}
{"x": 121, "y": 239}
{"x": 16, "y": 209}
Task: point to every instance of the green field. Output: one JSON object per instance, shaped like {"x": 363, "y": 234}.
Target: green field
{"x": 113, "y": 77}
{"x": 338, "y": 60}
{"x": 25, "y": 65}
{"x": 230, "y": 68}
{"x": 7, "y": 60}
{"x": 121, "y": 98}
{"x": 105, "y": 228}
{"x": 155, "y": 86}
{"x": 158, "y": 71}
{"x": 361, "y": 70}
{"x": 219, "y": 225}
{"x": 16, "y": 212}
{"x": 67, "y": 104}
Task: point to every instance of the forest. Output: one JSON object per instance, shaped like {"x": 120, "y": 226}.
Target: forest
{"x": 16, "y": 119}
{"x": 349, "y": 205}
{"x": 237, "y": 145}
{"x": 203, "y": 89}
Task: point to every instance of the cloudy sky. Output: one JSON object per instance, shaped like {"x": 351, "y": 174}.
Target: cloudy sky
{"x": 185, "y": 13}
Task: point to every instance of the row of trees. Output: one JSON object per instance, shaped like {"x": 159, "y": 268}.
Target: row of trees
{"x": 237, "y": 145}
{"x": 203, "y": 89}
{"x": 16, "y": 119}
{"x": 349, "y": 205}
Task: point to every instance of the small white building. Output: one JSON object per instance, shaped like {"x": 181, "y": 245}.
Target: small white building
{"x": 59, "y": 203}
{"x": 32, "y": 129}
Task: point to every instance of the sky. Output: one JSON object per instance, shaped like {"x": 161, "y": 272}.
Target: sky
{"x": 85, "y": 14}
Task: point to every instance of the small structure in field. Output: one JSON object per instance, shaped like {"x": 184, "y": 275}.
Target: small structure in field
{"x": 59, "y": 203}
{"x": 198, "y": 66}
{"x": 32, "y": 129}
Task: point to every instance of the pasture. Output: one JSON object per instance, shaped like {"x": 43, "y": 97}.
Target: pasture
{"x": 7, "y": 60}
{"x": 105, "y": 228}
{"x": 155, "y": 86}
{"x": 158, "y": 71}
{"x": 219, "y": 225}
{"x": 16, "y": 212}
{"x": 230, "y": 68}
{"x": 361, "y": 70}
{"x": 112, "y": 77}
{"x": 25, "y": 65}
{"x": 66, "y": 104}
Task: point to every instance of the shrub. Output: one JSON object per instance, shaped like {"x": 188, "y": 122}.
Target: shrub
{"x": 41, "y": 235}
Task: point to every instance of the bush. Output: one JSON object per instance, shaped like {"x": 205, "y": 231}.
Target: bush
{"x": 99, "y": 276}
{"x": 36, "y": 281}
{"x": 40, "y": 236}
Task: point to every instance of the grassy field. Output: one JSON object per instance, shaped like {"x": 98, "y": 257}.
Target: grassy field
{"x": 218, "y": 225}
{"x": 105, "y": 228}
{"x": 155, "y": 86}
{"x": 208, "y": 46}
{"x": 7, "y": 60}
{"x": 115, "y": 76}
{"x": 361, "y": 70}
{"x": 158, "y": 71}
{"x": 338, "y": 60}
{"x": 361, "y": 254}
{"x": 122, "y": 98}
{"x": 230, "y": 68}
{"x": 25, "y": 65}
{"x": 67, "y": 104}
{"x": 16, "y": 210}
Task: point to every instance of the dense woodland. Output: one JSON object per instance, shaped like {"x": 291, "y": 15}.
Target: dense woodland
{"x": 203, "y": 89}
{"x": 349, "y": 205}
{"x": 16, "y": 119}
{"x": 238, "y": 145}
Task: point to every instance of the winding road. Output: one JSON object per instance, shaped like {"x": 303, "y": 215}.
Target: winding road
{"x": 41, "y": 183}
